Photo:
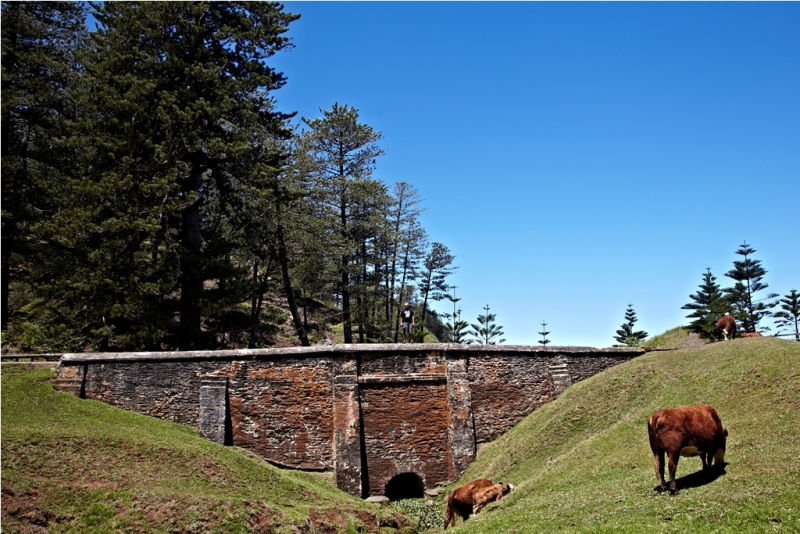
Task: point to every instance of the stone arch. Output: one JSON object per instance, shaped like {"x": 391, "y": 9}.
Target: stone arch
{"x": 405, "y": 486}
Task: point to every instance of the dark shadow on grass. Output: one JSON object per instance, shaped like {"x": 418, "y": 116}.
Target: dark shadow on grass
{"x": 699, "y": 478}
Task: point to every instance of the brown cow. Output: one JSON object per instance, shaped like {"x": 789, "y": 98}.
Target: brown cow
{"x": 726, "y": 325}
{"x": 750, "y": 334}
{"x": 461, "y": 501}
{"x": 685, "y": 431}
{"x": 484, "y": 496}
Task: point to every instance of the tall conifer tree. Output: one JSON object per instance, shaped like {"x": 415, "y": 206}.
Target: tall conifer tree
{"x": 626, "y": 334}
{"x": 177, "y": 99}
{"x": 789, "y": 316}
{"x": 707, "y": 307}
{"x": 486, "y": 331}
{"x": 748, "y": 275}
{"x": 40, "y": 72}
{"x": 341, "y": 152}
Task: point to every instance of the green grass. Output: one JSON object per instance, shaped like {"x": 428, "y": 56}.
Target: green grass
{"x": 669, "y": 339}
{"x": 583, "y": 464}
{"x": 83, "y": 466}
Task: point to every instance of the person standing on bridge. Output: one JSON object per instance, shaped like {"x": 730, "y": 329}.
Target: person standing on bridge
{"x": 408, "y": 323}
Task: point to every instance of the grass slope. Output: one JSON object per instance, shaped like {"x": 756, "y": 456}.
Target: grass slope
{"x": 583, "y": 464}
{"x": 75, "y": 465}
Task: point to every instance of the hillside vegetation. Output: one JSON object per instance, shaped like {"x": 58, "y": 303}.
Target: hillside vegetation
{"x": 583, "y": 464}
{"x": 82, "y": 466}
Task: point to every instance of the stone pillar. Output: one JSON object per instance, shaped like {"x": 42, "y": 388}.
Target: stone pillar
{"x": 214, "y": 409}
{"x": 462, "y": 425}
{"x": 347, "y": 426}
{"x": 559, "y": 375}
{"x": 72, "y": 379}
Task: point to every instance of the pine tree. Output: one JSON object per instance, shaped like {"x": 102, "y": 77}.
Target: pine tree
{"x": 341, "y": 152}
{"x": 626, "y": 334}
{"x": 748, "y": 275}
{"x": 405, "y": 212}
{"x": 437, "y": 267}
{"x": 544, "y": 341}
{"x": 455, "y": 330}
{"x": 708, "y": 306}
{"x": 40, "y": 73}
{"x": 177, "y": 101}
{"x": 789, "y": 316}
{"x": 485, "y": 332}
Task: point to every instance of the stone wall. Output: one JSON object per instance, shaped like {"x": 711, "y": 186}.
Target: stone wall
{"x": 368, "y": 412}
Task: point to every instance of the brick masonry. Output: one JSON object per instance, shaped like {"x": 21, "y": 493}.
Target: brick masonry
{"x": 367, "y": 412}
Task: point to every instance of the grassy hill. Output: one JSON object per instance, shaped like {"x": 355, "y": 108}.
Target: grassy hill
{"x": 82, "y": 466}
{"x": 583, "y": 464}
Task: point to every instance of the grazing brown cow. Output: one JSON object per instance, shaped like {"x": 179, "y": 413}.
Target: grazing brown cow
{"x": 685, "y": 431}
{"x": 726, "y": 326}
{"x": 461, "y": 500}
{"x": 484, "y": 496}
{"x": 750, "y": 334}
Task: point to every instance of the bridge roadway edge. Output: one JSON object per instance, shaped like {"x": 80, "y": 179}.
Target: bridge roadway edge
{"x": 362, "y": 411}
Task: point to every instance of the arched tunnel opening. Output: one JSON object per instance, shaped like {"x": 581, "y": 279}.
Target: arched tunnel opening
{"x": 405, "y": 486}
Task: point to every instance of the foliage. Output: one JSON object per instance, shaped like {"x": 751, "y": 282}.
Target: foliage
{"x": 426, "y": 517}
{"x": 90, "y": 467}
{"x": 748, "y": 275}
{"x": 544, "y": 341}
{"x": 340, "y": 152}
{"x": 485, "y": 332}
{"x": 707, "y": 307}
{"x": 626, "y": 334}
{"x": 582, "y": 463}
{"x": 438, "y": 265}
{"x": 789, "y": 316}
{"x": 40, "y": 74}
{"x": 154, "y": 198}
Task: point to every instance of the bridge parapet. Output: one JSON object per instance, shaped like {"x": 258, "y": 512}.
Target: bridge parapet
{"x": 368, "y": 412}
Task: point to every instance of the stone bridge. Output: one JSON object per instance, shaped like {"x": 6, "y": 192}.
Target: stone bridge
{"x": 387, "y": 419}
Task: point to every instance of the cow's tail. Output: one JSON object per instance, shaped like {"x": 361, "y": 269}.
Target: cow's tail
{"x": 651, "y": 433}
{"x": 449, "y": 515}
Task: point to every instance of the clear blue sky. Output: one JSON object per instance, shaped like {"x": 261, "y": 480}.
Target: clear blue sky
{"x": 575, "y": 157}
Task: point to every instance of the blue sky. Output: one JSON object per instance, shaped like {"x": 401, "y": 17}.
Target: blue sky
{"x": 575, "y": 157}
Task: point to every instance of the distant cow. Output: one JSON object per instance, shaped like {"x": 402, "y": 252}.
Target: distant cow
{"x": 685, "y": 431}
{"x": 726, "y": 326}
{"x": 484, "y": 496}
{"x": 461, "y": 500}
{"x": 750, "y": 334}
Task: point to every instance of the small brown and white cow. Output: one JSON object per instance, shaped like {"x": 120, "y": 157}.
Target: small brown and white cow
{"x": 484, "y": 496}
{"x": 726, "y": 326}
{"x": 685, "y": 431}
{"x": 461, "y": 500}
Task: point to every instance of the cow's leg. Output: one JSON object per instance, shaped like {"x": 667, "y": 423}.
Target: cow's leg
{"x": 673, "y": 466}
{"x": 464, "y": 510}
{"x": 725, "y": 333}
{"x": 707, "y": 459}
{"x": 658, "y": 463}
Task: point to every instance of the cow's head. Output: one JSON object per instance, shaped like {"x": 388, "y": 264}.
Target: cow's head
{"x": 719, "y": 456}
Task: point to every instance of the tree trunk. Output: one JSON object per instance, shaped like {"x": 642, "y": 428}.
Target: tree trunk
{"x": 254, "y": 312}
{"x": 191, "y": 274}
{"x": 287, "y": 286}
{"x": 6, "y": 278}
{"x": 400, "y": 296}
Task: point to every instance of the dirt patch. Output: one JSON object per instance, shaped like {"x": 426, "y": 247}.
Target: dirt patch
{"x": 333, "y": 521}
{"x": 23, "y": 512}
